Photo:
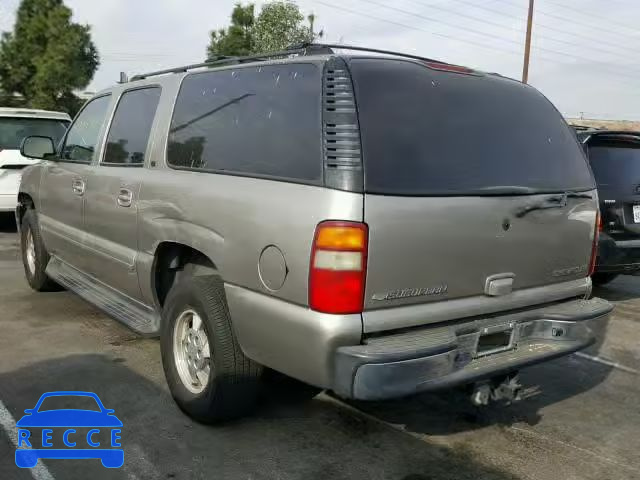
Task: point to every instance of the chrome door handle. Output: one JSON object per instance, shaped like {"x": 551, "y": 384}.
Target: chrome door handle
{"x": 78, "y": 186}
{"x": 125, "y": 197}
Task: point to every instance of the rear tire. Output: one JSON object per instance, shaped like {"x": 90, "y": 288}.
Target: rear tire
{"x": 602, "y": 278}
{"x": 34, "y": 254}
{"x": 224, "y": 385}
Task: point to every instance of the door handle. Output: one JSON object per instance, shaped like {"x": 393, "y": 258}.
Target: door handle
{"x": 125, "y": 197}
{"x": 78, "y": 186}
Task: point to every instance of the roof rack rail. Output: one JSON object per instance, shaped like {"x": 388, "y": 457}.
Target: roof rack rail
{"x": 301, "y": 49}
{"x": 223, "y": 60}
{"x": 312, "y": 47}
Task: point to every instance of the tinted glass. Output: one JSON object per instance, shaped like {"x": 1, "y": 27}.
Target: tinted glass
{"x": 129, "y": 132}
{"x": 254, "y": 120}
{"x": 13, "y": 130}
{"x": 615, "y": 166}
{"x": 82, "y": 138}
{"x": 431, "y": 132}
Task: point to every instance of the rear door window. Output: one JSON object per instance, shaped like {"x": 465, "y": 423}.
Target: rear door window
{"x": 129, "y": 133}
{"x": 427, "y": 132}
{"x": 258, "y": 121}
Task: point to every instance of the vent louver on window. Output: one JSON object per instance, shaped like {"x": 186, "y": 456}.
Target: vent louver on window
{"x": 341, "y": 134}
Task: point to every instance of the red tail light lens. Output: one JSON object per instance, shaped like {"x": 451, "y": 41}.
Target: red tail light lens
{"x": 594, "y": 247}
{"x": 447, "y": 67}
{"x": 338, "y": 267}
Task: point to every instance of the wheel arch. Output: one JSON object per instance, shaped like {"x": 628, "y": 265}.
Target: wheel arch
{"x": 25, "y": 202}
{"x": 171, "y": 258}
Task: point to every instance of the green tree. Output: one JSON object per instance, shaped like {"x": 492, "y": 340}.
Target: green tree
{"x": 237, "y": 39}
{"x": 279, "y": 25}
{"x": 47, "y": 56}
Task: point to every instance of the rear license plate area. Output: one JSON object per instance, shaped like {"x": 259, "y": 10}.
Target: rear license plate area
{"x": 494, "y": 340}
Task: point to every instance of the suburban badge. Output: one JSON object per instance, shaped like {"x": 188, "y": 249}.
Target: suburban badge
{"x": 410, "y": 292}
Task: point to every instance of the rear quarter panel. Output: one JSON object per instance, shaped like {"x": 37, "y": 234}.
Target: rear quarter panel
{"x": 233, "y": 219}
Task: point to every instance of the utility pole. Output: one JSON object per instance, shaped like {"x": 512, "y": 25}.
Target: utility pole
{"x": 527, "y": 45}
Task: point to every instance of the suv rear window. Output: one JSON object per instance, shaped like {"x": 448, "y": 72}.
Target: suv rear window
{"x": 257, "y": 121}
{"x": 615, "y": 165}
{"x": 426, "y": 132}
{"x": 14, "y": 129}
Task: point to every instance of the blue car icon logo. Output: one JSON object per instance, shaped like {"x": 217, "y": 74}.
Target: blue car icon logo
{"x": 83, "y": 433}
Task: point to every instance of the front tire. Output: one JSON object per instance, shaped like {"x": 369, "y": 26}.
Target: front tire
{"x": 602, "y": 278}
{"x": 209, "y": 377}
{"x": 34, "y": 254}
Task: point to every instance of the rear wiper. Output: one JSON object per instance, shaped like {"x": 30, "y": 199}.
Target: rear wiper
{"x": 578, "y": 195}
{"x": 556, "y": 201}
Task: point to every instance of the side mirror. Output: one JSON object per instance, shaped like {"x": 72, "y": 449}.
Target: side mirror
{"x": 37, "y": 147}
{"x": 29, "y": 411}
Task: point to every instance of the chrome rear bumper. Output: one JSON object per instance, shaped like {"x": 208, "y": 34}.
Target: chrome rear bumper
{"x": 424, "y": 359}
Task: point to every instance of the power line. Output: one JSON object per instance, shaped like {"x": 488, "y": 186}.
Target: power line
{"x": 474, "y": 43}
{"x": 546, "y": 37}
{"x": 460, "y": 14}
{"x": 574, "y": 11}
{"x": 571, "y": 21}
{"x": 448, "y": 37}
{"x": 478, "y": 32}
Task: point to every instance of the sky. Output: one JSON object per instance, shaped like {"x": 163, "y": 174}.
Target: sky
{"x": 585, "y": 56}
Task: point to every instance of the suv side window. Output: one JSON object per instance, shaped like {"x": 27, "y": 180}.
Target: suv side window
{"x": 257, "y": 121}
{"x": 131, "y": 126}
{"x": 82, "y": 138}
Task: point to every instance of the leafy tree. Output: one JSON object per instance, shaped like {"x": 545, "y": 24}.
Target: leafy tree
{"x": 47, "y": 56}
{"x": 279, "y": 25}
{"x": 238, "y": 38}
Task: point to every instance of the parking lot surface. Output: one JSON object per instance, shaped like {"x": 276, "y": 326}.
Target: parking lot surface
{"x": 579, "y": 418}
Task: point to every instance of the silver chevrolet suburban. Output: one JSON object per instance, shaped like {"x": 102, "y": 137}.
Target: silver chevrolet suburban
{"x": 376, "y": 225}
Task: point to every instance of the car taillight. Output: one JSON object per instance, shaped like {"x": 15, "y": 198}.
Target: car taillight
{"x": 594, "y": 247}
{"x": 338, "y": 267}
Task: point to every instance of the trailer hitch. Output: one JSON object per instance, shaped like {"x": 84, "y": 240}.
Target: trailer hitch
{"x": 506, "y": 388}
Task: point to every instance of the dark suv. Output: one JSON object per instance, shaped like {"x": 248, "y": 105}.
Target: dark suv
{"x": 615, "y": 161}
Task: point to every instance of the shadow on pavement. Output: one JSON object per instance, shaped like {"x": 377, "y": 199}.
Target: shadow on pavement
{"x": 451, "y": 411}
{"x": 316, "y": 441}
{"x": 7, "y": 222}
{"x": 624, "y": 287}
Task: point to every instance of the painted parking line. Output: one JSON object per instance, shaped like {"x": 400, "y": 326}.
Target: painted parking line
{"x": 8, "y": 424}
{"x": 608, "y": 363}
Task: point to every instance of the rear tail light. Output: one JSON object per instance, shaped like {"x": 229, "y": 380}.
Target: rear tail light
{"x": 338, "y": 267}
{"x": 594, "y": 246}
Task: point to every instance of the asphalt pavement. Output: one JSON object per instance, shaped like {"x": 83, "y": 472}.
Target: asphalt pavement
{"x": 579, "y": 418}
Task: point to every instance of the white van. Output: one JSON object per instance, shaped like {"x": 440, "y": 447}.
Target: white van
{"x": 15, "y": 125}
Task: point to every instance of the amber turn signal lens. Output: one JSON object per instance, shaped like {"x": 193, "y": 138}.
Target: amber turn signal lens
{"x": 340, "y": 237}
